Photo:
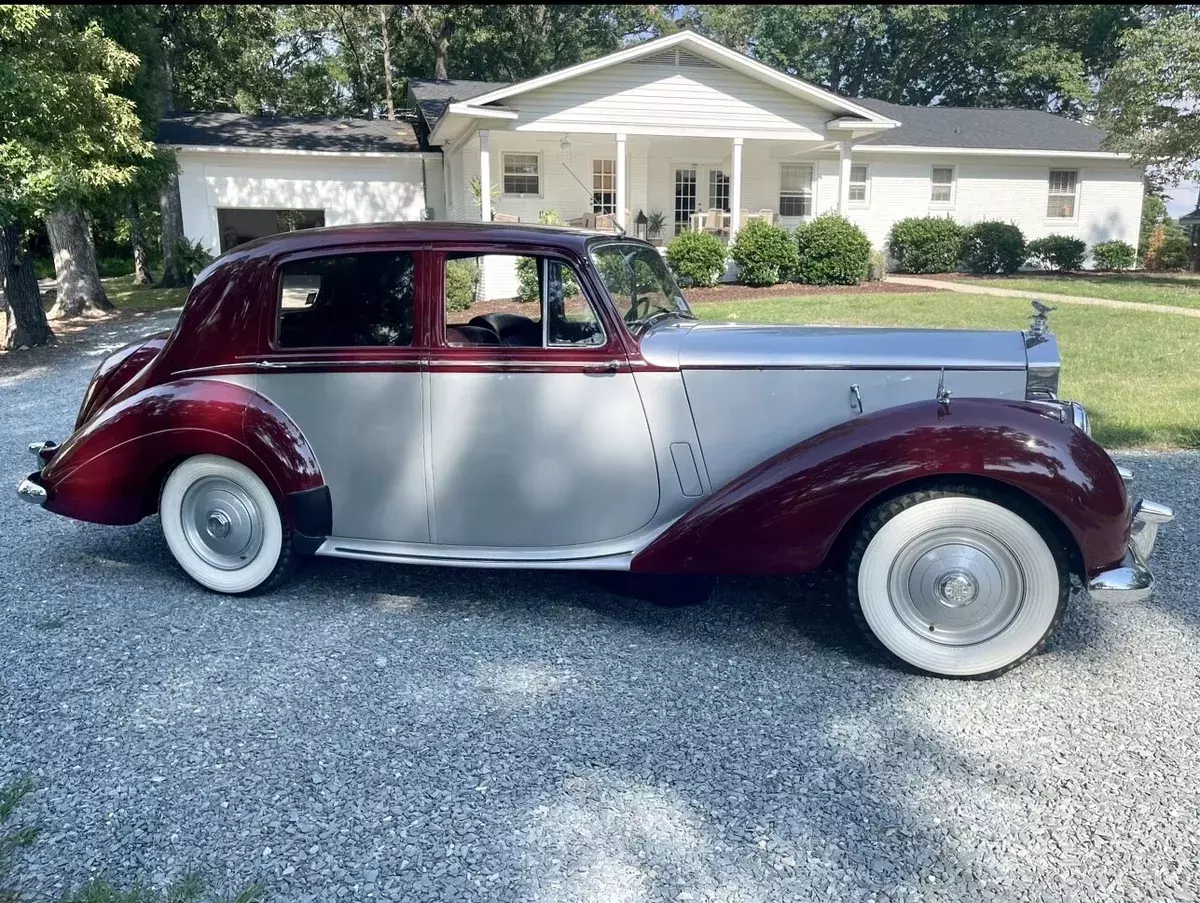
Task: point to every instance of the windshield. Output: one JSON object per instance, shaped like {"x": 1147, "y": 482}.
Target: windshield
{"x": 639, "y": 283}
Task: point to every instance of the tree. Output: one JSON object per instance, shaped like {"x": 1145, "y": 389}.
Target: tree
{"x": 64, "y": 133}
{"x": 1032, "y": 57}
{"x": 1149, "y": 105}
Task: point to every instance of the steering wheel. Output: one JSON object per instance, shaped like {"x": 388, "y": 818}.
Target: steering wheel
{"x": 634, "y": 302}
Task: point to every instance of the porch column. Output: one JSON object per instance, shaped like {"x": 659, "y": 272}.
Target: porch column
{"x": 843, "y": 177}
{"x": 735, "y": 191}
{"x": 621, "y": 200}
{"x": 485, "y": 176}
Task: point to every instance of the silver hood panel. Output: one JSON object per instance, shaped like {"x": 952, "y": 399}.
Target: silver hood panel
{"x": 734, "y": 345}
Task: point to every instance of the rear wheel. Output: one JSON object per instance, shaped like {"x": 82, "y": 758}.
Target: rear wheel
{"x": 956, "y": 582}
{"x": 224, "y": 527}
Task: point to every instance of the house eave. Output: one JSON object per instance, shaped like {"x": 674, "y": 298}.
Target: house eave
{"x": 294, "y": 152}
{"x": 985, "y": 151}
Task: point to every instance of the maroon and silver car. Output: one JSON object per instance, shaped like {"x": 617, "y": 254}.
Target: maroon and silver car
{"x": 359, "y": 392}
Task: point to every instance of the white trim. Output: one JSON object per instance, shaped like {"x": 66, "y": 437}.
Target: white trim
{"x": 735, "y": 191}
{"x": 226, "y": 149}
{"x": 858, "y": 124}
{"x": 469, "y": 109}
{"x": 704, "y": 47}
{"x": 485, "y": 176}
{"x": 619, "y": 182}
{"x": 985, "y": 151}
{"x": 844, "y": 164}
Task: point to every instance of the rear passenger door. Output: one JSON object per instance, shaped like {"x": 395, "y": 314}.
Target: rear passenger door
{"x": 538, "y": 434}
{"x": 343, "y": 363}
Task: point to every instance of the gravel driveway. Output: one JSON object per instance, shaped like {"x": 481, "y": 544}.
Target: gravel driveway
{"x": 393, "y": 733}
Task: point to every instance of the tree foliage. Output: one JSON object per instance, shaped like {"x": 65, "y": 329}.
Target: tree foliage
{"x": 1150, "y": 105}
{"x": 1032, "y": 57}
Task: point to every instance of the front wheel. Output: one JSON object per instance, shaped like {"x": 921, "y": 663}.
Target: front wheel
{"x": 223, "y": 526}
{"x": 956, "y": 584}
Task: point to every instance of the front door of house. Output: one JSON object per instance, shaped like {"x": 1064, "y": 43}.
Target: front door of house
{"x": 686, "y": 198}
{"x": 697, "y": 189}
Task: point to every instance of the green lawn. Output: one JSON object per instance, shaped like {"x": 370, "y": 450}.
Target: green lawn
{"x": 129, "y": 297}
{"x": 1138, "y": 374}
{"x": 1182, "y": 291}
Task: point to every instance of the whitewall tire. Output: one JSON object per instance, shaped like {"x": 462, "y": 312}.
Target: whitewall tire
{"x": 957, "y": 584}
{"x": 223, "y": 525}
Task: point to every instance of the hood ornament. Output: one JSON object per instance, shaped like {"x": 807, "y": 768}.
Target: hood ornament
{"x": 1039, "y": 326}
{"x": 943, "y": 395}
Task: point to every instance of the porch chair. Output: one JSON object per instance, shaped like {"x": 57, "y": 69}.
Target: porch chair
{"x": 505, "y": 218}
{"x": 715, "y": 222}
{"x": 605, "y": 222}
{"x": 767, "y": 215}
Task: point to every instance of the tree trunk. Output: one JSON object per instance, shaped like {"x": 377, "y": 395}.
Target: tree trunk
{"x": 387, "y": 61}
{"x": 25, "y": 320}
{"x": 141, "y": 254}
{"x": 80, "y": 290}
{"x": 441, "y": 49}
{"x": 172, "y": 233}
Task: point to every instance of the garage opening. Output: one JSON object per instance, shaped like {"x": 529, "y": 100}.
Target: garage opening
{"x": 238, "y": 225}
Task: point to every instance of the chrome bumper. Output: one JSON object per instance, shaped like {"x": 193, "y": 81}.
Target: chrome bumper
{"x": 1132, "y": 581}
{"x": 30, "y": 489}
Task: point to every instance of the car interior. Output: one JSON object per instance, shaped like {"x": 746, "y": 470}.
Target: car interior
{"x": 347, "y": 301}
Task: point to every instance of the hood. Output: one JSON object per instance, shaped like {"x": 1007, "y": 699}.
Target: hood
{"x": 688, "y": 344}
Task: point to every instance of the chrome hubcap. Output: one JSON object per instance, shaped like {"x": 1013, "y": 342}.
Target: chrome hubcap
{"x": 957, "y": 587}
{"x": 221, "y": 522}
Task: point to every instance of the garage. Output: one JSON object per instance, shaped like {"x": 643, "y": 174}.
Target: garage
{"x": 242, "y": 177}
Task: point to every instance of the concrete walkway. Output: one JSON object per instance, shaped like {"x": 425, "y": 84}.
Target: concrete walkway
{"x": 969, "y": 288}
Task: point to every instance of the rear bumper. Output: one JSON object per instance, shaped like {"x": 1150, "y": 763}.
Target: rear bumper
{"x": 1131, "y": 580}
{"x": 31, "y": 489}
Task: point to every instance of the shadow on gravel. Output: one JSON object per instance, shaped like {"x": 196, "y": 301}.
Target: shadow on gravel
{"x": 535, "y": 735}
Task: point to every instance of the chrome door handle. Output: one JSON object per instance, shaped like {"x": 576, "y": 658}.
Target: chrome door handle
{"x": 603, "y": 369}
{"x": 270, "y": 365}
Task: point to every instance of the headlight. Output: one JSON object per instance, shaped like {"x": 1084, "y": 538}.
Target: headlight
{"x": 1079, "y": 416}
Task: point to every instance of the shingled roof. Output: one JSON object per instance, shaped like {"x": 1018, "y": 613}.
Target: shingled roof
{"x": 972, "y": 127}
{"x": 284, "y": 133}
{"x": 953, "y": 127}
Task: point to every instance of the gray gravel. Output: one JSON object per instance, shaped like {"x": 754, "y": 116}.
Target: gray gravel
{"x": 390, "y": 733}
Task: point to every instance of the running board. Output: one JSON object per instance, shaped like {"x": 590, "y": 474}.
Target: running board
{"x": 470, "y": 557}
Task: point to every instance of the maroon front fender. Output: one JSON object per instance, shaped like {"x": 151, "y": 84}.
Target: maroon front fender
{"x": 783, "y": 516}
{"x": 109, "y": 470}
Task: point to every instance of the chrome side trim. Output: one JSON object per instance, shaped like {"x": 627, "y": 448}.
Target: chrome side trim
{"x": 449, "y": 556}
{"x": 1147, "y": 518}
{"x": 1126, "y": 475}
{"x": 33, "y": 493}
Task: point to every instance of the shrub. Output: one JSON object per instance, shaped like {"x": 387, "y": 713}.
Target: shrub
{"x": 462, "y": 279}
{"x": 765, "y": 254}
{"x": 925, "y": 244}
{"x": 993, "y": 247}
{"x": 527, "y": 275}
{"x": 193, "y": 257}
{"x": 1114, "y": 255}
{"x": 1058, "y": 252}
{"x": 696, "y": 258}
{"x": 832, "y": 251}
{"x": 878, "y": 267}
{"x": 1167, "y": 248}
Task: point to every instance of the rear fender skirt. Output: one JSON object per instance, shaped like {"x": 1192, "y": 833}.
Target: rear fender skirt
{"x": 109, "y": 471}
{"x": 783, "y": 516}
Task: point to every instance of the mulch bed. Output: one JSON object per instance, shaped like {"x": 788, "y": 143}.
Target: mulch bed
{"x": 734, "y": 292}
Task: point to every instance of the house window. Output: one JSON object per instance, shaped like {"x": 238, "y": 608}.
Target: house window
{"x": 718, "y": 190}
{"x": 942, "y": 189}
{"x": 858, "y": 183}
{"x": 521, "y": 174}
{"x": 795, "y": 189}
{"x": 604, "y": 186}
{"x": 1063, "y": 186}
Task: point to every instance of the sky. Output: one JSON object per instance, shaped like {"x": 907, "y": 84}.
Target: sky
{"x": 1182, "y": 199}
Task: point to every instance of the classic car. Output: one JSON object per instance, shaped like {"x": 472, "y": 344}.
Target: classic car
{"x": 358, "y": 392}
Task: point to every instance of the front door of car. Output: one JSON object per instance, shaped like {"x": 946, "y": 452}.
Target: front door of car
{"x": 539, "y": 437}
{"x": 342, "y": 363}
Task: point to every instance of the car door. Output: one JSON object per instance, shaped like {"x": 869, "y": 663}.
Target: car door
{"x": 343, "y": 364}
{"x": 538, "y": 434}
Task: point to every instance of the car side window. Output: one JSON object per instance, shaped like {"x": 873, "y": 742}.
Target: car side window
{"x": 347, "y": 300}
{"x": 521, "y": 301}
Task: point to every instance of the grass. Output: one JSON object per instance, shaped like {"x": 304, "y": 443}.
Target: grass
{"x": 140, "y": 298}
{"x": 1181, "y": 291}
{"x": 190, "y": 888}
{"x": 1137, "y": 373}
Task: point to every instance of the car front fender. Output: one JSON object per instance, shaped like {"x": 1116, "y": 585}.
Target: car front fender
{"x": 784, "y": 515}
{"x": 110, "y": 470}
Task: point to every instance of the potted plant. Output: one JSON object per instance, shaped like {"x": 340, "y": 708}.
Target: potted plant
{"x": 655, "y": 223}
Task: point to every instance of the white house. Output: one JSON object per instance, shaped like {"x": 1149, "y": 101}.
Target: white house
{"x": 678, "y": 125}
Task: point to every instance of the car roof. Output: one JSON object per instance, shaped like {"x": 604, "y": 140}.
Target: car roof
{"x": 563, "y": 237}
